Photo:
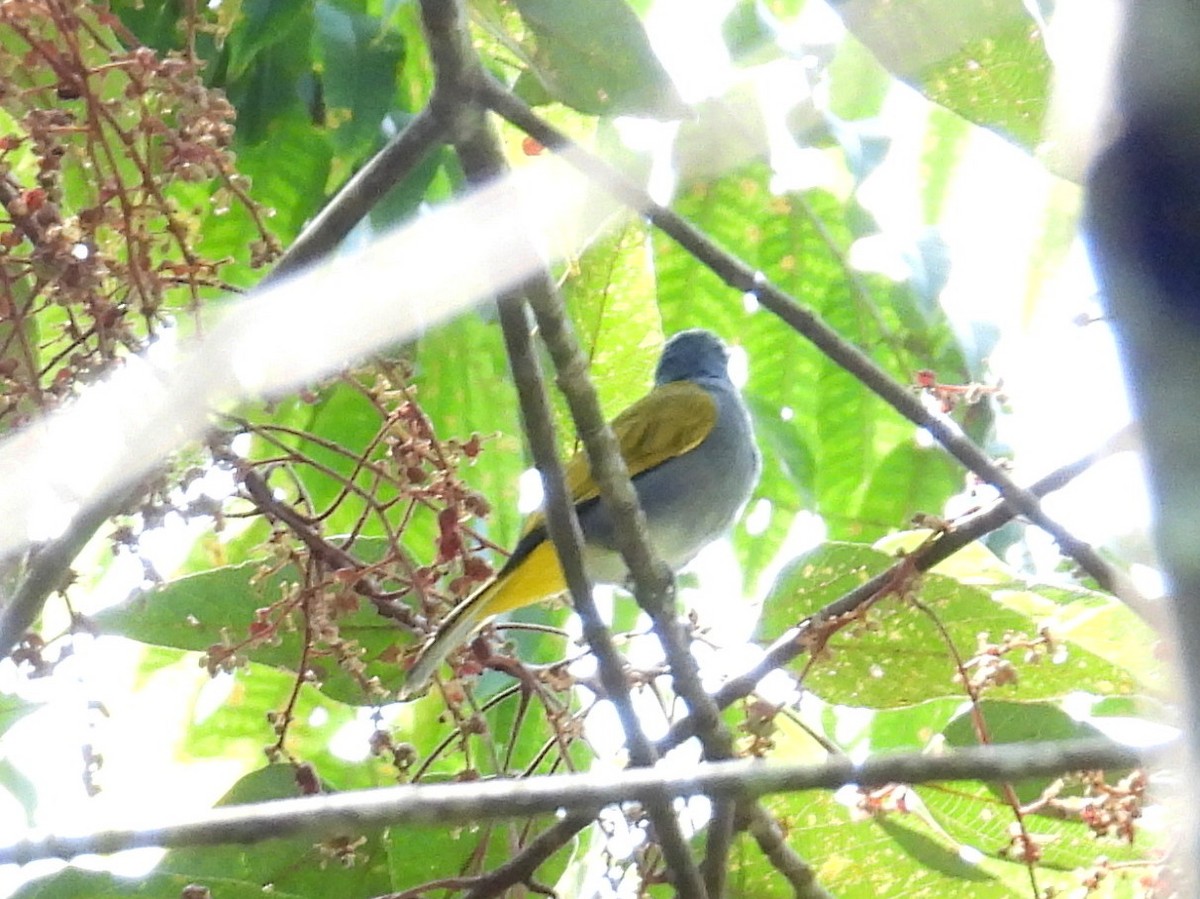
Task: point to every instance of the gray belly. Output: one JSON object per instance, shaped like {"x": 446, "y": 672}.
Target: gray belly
{"x": 689, "y": 501}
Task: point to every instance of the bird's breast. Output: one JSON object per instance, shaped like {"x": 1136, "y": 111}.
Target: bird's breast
{"x": 689, "y": 500}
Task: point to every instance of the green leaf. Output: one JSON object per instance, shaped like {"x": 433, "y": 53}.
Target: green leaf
{"x": 985, "y": 60}
{"x": 359, "y": 60}
{"x": 13, "y": 709}
{"x": 530, "y": 89}
{"x": 197, "y": 611}
{"x": 293, "y": 866}
{"x": 416, "y": 83}
{"x": 1095, "y": 621}
{"x": 945, "y": 146}
{"x": 294, "y": 192}
{"x": 978, "y": 814}
{"x": 463, "y": 384}
{"x": 896, "y": 655}
{"x": 908, "y": 480}
{"x": 264, "y": 24}
{"x": 787, "y": 479}
{"x": 858, "y": 84}
{"x": 594, "y": 55}
{"x": 748, "y": 35}
{"x": 212, "y": 550}
{"x": 724, "y": 134}
{"x": 1145, "y": 708}
{"x": 1017, "y": 722}
{"x": 289, "y": 868}
{"x": 270, "y": 76}
{"x": 71, "y": 883}
{"x": 155, "y": 25}
{"x": 845, "y": 418}
{"x": 22, "y": 789}
{"x": 240, "y": 728}
{"x": 609, "y": 292}
{"x": 865, "y": 857}
{"x": 909, "y": 727}
{"x": 1099, "y": 623}
{"x": 816, "y": 579}
{"x": 835, "y": 430}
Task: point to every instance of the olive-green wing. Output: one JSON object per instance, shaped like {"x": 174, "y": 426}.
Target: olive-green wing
{"x": 668, "y": 421}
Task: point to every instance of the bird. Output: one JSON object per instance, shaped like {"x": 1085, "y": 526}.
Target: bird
{"x": 690, "y": 450}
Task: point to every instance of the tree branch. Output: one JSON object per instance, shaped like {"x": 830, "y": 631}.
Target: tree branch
{"x": 520, "y": 868}
{"x": 563, "y": 525}
{"x": 49, "y": 564}
{"x": 771, "y": 842}
{"x": 318, "y": 817}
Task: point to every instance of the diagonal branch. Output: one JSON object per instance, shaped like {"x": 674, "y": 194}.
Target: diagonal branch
{"x": 520, "y": 868}
{"x": 653, "y": 584}
{"x": 771, "y": 841}
{"x": 48, "y": 566}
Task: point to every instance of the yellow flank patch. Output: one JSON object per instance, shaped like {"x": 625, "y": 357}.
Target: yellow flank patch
{"x": 538, "y": 577}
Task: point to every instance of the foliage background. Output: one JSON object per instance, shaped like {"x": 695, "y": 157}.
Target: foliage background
{"x": 775, "y": 165}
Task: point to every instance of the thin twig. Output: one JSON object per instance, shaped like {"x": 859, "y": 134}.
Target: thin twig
{"x": 1028, "y": 848}
{"x": 521, "y": 867}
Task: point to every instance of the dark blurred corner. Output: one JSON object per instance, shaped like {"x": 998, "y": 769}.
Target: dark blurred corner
{"x": 1143, "y": 222}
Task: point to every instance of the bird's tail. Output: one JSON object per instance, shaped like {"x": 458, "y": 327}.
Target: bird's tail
{"x": 455, "y": 629}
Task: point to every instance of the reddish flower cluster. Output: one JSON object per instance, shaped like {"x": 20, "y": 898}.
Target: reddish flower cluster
{"x": 97, "y": 242}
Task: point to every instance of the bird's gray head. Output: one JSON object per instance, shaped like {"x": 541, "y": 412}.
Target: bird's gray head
{"x": 692, "y": 355}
